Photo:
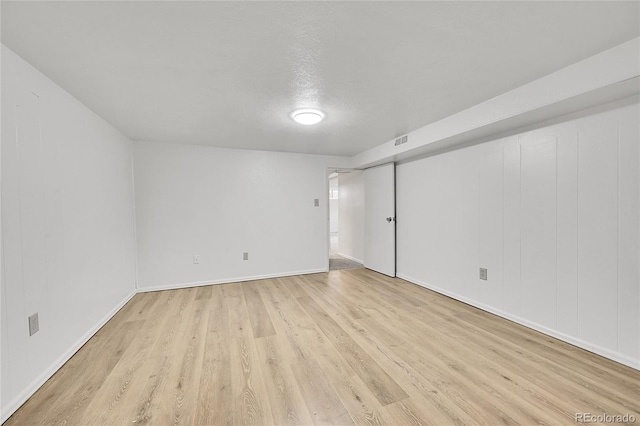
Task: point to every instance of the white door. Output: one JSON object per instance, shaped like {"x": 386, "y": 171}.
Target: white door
{"x": 379, "y": 219}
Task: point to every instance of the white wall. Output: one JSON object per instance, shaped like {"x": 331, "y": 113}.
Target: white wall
{"x": 218, "y": 203}
{"x": 334, "y": 211}
{"x": 351, "y": 223}
{"x": 67, "y": 226}
{"x": 552, "y": 213}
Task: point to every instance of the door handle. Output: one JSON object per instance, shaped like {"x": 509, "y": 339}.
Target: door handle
{"x": 389, "y": 219}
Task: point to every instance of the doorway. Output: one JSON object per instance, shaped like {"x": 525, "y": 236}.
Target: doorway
{"x": 346, "y": 219}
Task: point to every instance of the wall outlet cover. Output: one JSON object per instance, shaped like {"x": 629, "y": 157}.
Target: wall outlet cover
{"x": 245, "y": 255}
{"x": 483, "y": 274}
{"x": 34, "y": 324}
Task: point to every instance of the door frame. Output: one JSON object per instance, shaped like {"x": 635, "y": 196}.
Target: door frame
{"x": 329, "y": 172}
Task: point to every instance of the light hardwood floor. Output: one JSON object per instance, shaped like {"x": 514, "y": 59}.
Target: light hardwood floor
{"x": 339, "y": 348}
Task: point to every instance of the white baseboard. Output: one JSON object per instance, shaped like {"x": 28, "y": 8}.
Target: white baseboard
{"x": 143, "y": 289}
{"x": 350, "y": 257}
{"x": 16, "y": 402}
{"x": 599, "y": 350}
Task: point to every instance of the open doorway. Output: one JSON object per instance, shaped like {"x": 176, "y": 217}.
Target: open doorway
{"x": 346, "y": 219}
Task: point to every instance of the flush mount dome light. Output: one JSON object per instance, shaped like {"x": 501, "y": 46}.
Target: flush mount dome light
{"x": 307, "y": 116}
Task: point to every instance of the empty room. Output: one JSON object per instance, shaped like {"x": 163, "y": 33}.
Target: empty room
{"x": 320, "y": 212}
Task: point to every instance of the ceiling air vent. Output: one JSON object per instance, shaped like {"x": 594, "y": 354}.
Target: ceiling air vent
{"x": 402, "y": 140}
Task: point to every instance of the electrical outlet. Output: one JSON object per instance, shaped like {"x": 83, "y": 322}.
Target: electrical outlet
{"x": 483, "y": 274}
{"x": 34, "y": 324}
{"x": 245, "y": 255}
{"x": 196, "y": 259}
{"x": 316, "y": 202}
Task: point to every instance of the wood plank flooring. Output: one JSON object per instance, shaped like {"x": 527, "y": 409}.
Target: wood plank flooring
{"x": 345, "y": 347}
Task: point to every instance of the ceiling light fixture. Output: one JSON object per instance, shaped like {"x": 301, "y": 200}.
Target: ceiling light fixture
{"x": 307, "y": 116}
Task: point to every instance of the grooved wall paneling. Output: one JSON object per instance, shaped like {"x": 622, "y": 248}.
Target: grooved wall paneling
{"x": 511, "y": 226}
{"x": 598, "y": 231}
{"x": 553, "y": 214}
{"x": 538, "y": 229}
{"x": 628, "y": 231}
{"x": 490, "y": 210}
{"x": 67, "y": 226}
{"x": 567, "y": 230}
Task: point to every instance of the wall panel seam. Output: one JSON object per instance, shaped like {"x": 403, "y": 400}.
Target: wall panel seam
{"x": 556, "y": 236}
{"x": 618, "y": 241}
{"x": 577, "y": 232}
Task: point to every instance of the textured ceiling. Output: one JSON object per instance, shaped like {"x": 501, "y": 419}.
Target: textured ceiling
{"x": 228, "y": 74}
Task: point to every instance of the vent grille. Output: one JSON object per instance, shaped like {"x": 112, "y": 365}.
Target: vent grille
{"x": 402, "y": 140}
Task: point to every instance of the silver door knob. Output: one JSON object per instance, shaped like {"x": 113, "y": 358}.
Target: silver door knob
{"x": 389, "y": 219}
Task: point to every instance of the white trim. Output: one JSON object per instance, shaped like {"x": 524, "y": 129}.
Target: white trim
{"x": 17, "y": 402}
{"x": 227, "y": 280}
{"x": 351, "y": 258}
{"x": 599, "y": 350}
